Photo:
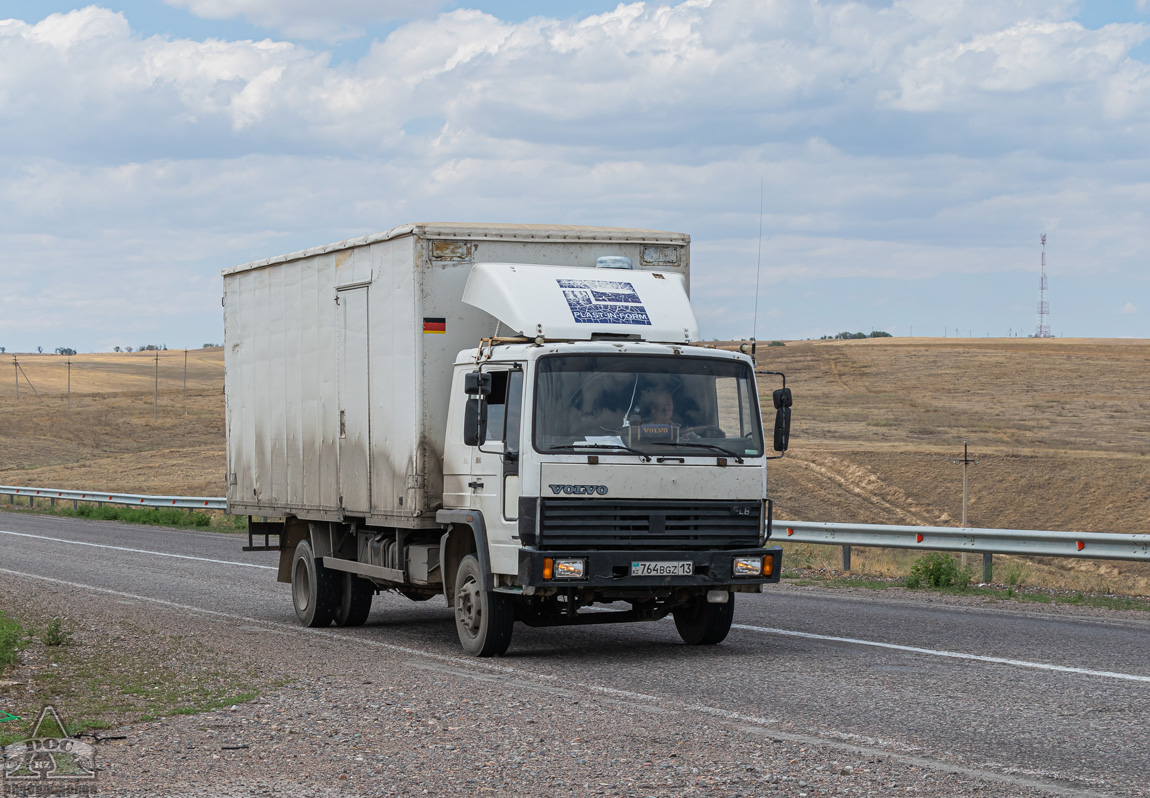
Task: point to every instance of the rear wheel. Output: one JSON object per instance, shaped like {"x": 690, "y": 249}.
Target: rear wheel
{"x": 314, "y": 589}
{"x": 701, "y": 623}
{"x": 354, "y": 600}
{"x": 483, "y": 618}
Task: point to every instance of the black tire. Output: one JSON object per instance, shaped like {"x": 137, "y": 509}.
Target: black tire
{"x": 701, "y": 623}
{"x": 484, "y": 619}
{"x": 314, "y": 589}
{"x": 355, "y": 596}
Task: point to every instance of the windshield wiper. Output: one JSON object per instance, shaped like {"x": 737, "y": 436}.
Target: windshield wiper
{"x": 646, "y": 458}
{"x": 712, "y": 446}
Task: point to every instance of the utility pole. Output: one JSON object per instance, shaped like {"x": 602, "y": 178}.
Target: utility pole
{"x": 69, "y": 384}
{"x": 967, "y": 461}
{"x": 185, "y": 382}
{"x": 156, "y": 396}
{"x": 16, "y": 366}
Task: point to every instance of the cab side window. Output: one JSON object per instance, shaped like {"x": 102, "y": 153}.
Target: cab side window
{"x": 505, "y": 408}
{"x": 497, "y": 405}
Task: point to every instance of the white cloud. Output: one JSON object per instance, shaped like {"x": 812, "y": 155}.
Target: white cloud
{"x": 1030, "y": 58}
{"x": 1128, "y": 309}
{"x": 641, "y": 76}
{"x": 329, "y": 21}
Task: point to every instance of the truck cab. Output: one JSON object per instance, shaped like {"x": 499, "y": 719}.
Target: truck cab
{"x": 603, "y": 467}
{"x": 610, "y": 471}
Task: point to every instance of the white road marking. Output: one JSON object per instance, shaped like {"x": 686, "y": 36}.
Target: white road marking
{"x": 469, "y": 666}
{"x": 1018, "y": 663}
{"x": 138, "y": 551}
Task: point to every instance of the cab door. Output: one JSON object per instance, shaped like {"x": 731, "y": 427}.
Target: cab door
{"x": 495, "y": 469}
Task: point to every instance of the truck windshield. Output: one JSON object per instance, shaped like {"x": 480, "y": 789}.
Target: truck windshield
{"x": 658, "y": 405}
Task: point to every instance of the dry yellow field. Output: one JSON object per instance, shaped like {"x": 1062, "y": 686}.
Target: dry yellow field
{"x": 108, "y": 440}
{"x": 1060, "y": 427}
{"x": 1061, "y": 430}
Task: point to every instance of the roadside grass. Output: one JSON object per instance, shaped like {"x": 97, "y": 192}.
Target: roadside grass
{"x": 894, "y": 565}
{"x": 1033, "y": 595}
{"x": 10, "y": 635}
{"x": 96, "y": 684}
{"x": 151, "y": 516}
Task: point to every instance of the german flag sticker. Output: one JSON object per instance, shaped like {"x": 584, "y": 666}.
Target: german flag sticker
{"x": 434, "y": 326}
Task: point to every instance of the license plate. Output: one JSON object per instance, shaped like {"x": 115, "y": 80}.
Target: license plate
{"x": 662, "y": 568}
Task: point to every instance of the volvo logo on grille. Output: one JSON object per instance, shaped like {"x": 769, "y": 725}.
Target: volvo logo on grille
{"x": 579, "y": 490}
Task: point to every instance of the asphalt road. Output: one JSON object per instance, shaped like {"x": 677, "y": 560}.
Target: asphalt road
{"x": 1057, "y": 700}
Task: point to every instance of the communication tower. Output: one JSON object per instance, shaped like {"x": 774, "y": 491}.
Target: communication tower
{"x": 1043, "y": 329}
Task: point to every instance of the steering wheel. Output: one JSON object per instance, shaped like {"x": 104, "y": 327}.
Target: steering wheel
{"x": 705, "y": 431}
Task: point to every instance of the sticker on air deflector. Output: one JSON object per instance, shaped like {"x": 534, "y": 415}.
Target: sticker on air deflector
{"x": 604, "y": 302}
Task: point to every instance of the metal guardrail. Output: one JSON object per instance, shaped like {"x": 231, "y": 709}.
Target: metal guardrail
{"x": 129, "y": 499}
{"x": 988, "y": 542}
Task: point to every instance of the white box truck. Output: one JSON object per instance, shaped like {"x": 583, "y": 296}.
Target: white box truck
{"x": 520, "y": 418}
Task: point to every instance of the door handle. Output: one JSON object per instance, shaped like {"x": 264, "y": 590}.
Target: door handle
{"x": 475, "y": 485}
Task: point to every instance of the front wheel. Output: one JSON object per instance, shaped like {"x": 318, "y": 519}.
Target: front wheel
{"x": 484, "y": 619}
{"x": 314, "y": 589}
{"x": 702, "y": 623}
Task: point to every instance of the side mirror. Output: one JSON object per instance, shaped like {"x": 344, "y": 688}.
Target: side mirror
{"x": 476, "y": 383}
{"x": 782, "y": 427}
{"x": 475, "y": 419}
{"x": 782, "y": 398}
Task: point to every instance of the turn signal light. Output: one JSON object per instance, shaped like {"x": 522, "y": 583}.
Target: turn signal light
{"x": 548, "y": 568}
{"x": 768, "y": 565}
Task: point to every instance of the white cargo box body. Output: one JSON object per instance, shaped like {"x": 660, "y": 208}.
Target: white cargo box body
{"x": 338, "y": 360}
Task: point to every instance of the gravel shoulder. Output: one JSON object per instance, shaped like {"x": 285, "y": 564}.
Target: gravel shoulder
{"x": 339, "y": 716}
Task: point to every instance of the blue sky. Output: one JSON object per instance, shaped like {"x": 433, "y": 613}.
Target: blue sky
{"x": 911, "y": 152}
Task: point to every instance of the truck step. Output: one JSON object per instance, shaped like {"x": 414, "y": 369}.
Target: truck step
{"x": 264, "y": 529}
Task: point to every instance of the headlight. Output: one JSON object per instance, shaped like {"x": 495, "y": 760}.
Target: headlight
{"x": 747, "y": 566}
{"x": 564, "y": 569}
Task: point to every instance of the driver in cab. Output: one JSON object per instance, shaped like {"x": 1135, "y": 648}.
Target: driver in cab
{"x": 658, "y": 406}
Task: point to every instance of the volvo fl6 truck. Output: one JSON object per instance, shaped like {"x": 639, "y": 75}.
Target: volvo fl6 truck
{"x": 519, "y": 418}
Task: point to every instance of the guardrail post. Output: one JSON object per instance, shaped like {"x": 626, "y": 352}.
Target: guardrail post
{"x": 987, "y": 566}
{"x": 75, "y": 504}
{"x": 846, "y": 558}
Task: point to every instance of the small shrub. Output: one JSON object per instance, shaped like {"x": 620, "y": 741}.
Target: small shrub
{"x": 938, "y": 569}
{"x": 1014, "y": 573}
{"x": 55, "y": 634}
{"x": 776, "y": 343}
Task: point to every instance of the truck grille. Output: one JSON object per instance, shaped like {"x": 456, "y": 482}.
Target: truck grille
{"x": 638, "y": 524}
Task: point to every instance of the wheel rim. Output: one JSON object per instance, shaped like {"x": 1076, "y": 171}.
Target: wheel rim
{"x": 468, "y": 612}
{"x": 301, "y": 585}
